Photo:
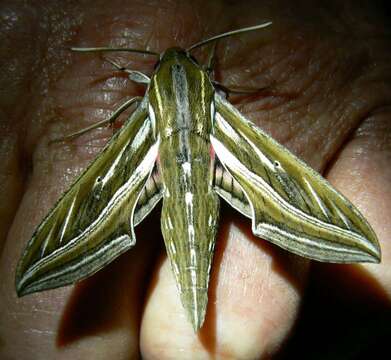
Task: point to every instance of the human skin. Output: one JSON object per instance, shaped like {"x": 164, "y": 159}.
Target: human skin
{"x": 326, "y": 71}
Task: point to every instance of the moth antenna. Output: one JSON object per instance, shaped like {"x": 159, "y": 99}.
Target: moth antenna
{"x": 229, "y": 33}
{"x": 108, "y": 49}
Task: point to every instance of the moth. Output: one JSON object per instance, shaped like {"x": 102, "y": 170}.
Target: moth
{"x": 186, "y": 145}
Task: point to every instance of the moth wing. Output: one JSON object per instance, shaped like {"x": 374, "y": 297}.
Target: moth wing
{"x": 292, "y": 205}
{"x": 229, "y": 189}
{"x": 93, "y": 221}
{"x": 150, "y": 195}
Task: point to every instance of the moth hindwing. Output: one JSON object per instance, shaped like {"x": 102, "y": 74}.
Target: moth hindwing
{"x": 185, "y": 144}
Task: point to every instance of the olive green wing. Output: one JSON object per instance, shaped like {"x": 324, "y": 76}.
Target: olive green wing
{"x": 92, "y": 223}
{"x": 291, "y": 205}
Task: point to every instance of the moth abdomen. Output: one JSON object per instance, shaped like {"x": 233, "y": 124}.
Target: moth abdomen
{"x": 189, "y": 217}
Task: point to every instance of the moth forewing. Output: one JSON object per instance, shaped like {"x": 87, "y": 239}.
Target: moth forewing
{"x": 92, "y": 223}
{"x": 292, "y": 205}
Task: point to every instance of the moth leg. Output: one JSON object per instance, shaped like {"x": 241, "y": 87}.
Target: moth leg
{"x": 222, "y": 89}
{"x": 226, "y": 91}
{"x": 104, "y": 122}
{"x": 134, "y": 75}
{"x": 239, "y": 91}
{"x": 212, "y": 60}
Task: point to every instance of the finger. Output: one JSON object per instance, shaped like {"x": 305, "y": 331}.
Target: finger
{"x": 363, "y": 173}
{"x": 356, "y": 295}
{"x": 15, "y": 81}
{"x": 100, "y": 316}
{"x": 254, "y": 297}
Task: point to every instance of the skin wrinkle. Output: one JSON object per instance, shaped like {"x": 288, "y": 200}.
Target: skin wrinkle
{"x": 309, "y": 88}
{"x": 62, "y": 88}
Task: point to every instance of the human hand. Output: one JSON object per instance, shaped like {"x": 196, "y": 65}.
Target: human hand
{"x": 328, "y": 78}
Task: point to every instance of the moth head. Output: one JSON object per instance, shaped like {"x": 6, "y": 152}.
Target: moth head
{"x": 175, "y": 54}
